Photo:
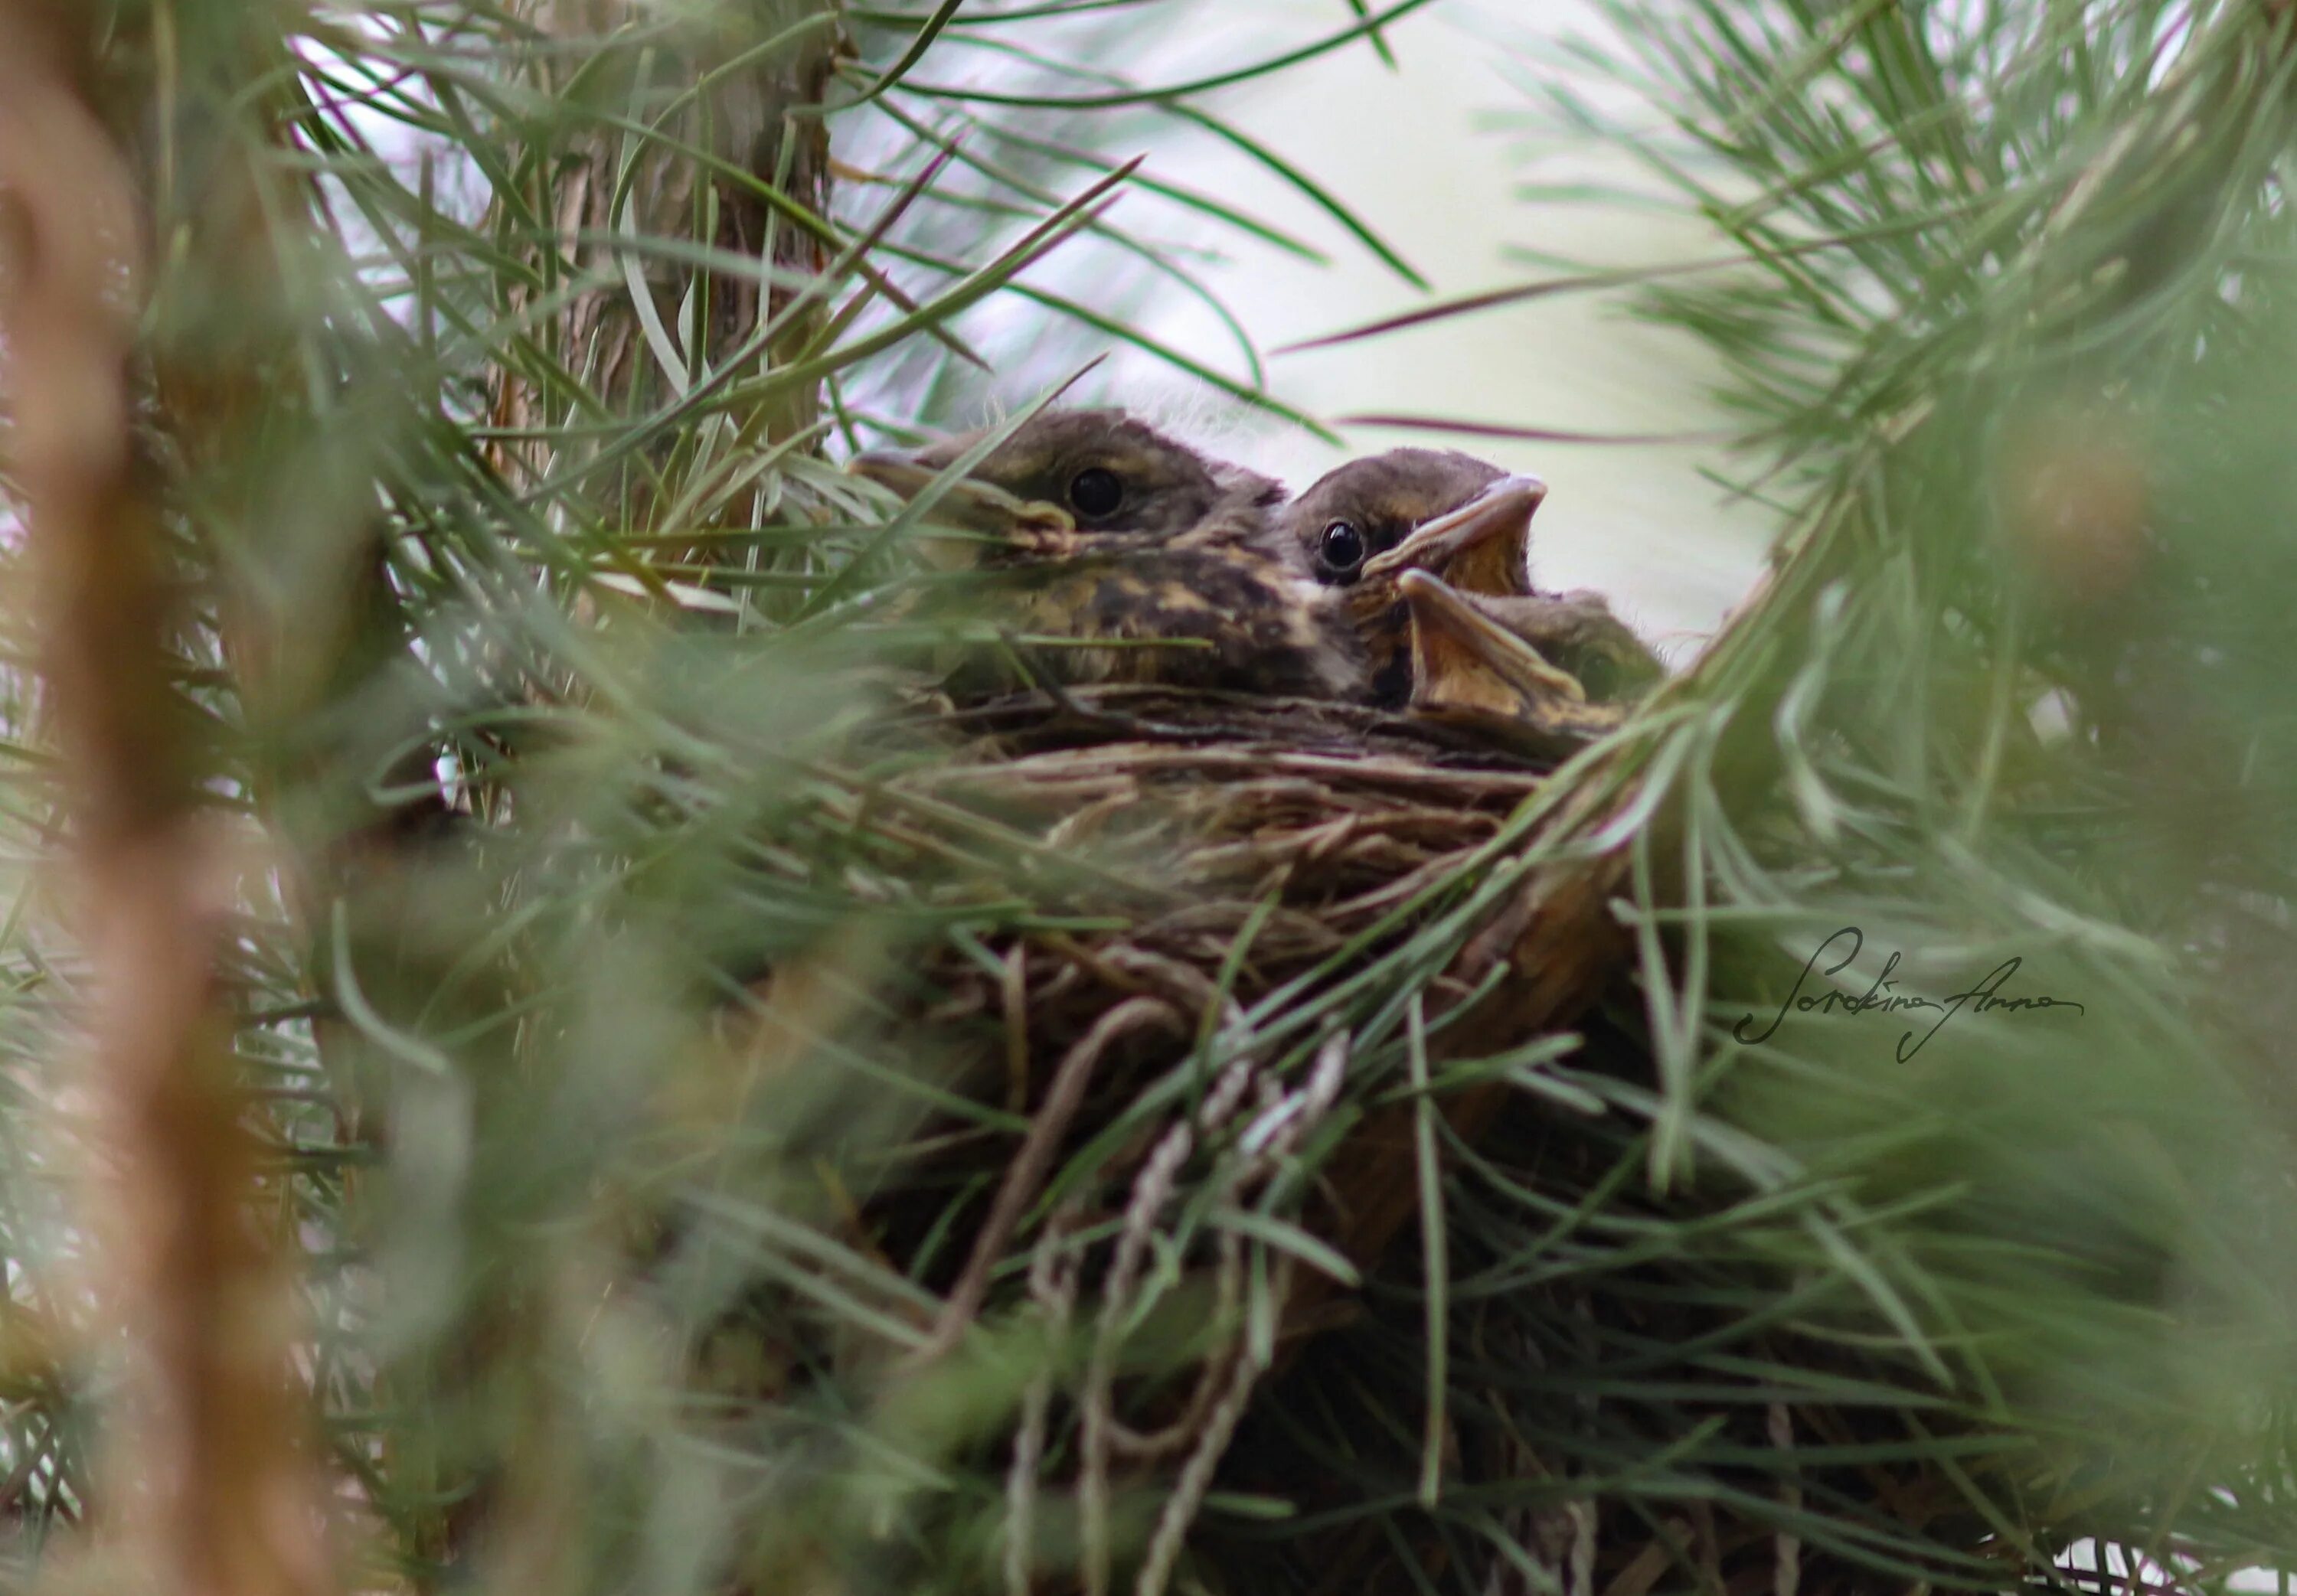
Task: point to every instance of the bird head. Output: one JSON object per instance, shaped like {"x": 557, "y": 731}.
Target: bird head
{"x": 1463, "y": 519}
{"x": 1067, "y": 478}
{"x": 1105, "y": 533}
{"x": 1472, "y": 669}
{"x": 1362, "y": 526}
{"x": 1577, "y": 631}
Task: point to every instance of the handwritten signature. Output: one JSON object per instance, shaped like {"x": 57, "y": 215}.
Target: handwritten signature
{"x": 1884, "y": 997}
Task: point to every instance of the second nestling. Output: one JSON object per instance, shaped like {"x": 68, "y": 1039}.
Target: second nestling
{"x": 1432, "y": 550}
{"x": 1399, "y": 580}
{"x": 1467, "y": 523}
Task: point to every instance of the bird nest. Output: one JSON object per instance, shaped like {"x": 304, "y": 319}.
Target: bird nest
{"x": 1188, "y": 1247}
{"x": 1199, "y": 1138}
{"x": 1283, "y": 1167}
{"x": 1316, "y": 819}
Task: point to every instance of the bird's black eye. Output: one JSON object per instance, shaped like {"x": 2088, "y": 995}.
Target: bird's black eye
{"x": 1342, "y": 547}
{"x": 1095, "y": 492}
{"x": 1600, "y": 675}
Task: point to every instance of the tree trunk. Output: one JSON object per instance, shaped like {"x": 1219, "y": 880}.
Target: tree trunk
{"x": 740, "y": 162}
{"x": 211, "y": 1485}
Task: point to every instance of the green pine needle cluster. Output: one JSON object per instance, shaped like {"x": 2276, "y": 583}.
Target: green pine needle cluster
{"x": 611, "y": 946}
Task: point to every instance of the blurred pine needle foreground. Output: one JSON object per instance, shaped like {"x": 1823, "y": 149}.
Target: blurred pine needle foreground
{"x": 541, "y": 1053}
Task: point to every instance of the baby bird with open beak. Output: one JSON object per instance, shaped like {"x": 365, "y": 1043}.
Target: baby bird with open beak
{"x": 1098, "y": 528}
{"x": 1475, "y": 670}
{"x": 1431, "y": 550}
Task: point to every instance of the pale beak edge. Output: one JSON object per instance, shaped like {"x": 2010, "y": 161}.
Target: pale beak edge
{"x": 1441, "y": 615}
{"x": 1504, "y": 511}
{"x": 970, "y": 502}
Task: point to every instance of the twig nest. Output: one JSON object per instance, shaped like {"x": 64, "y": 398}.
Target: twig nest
{"x": 1193, "y": 1176}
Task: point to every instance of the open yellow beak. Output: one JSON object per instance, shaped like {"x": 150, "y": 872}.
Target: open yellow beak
{"x": 1469, "y": 669}
{"x": 1482, "y": 546}
{"x": 1461, "y": 658}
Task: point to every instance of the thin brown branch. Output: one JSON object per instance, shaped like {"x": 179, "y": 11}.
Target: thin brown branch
{"x": 209, "y": 1489}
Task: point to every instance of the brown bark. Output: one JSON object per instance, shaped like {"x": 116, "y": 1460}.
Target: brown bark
{"x": 759, "y": 119}
{"x": 210, "y": 1487}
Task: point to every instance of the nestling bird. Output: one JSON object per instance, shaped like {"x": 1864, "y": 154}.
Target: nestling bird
{"x": 1465, "y": 522}
{"x": 1577, "y": 631}
{"x": 1104, "y": 470}
{"x": 1099, "y": 529}
{"x": 1473, "y": 670}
